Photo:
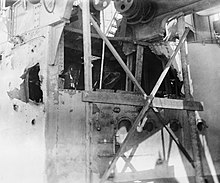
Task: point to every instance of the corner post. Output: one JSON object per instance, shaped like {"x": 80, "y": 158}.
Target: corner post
{"x": 88, "y": 82}
{"x": 191, "y": 114}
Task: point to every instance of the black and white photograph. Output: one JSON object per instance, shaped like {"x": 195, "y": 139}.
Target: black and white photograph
{"x": 109, "y": 91}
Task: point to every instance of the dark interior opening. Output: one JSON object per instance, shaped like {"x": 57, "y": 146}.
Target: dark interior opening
{"x": 34, "y": 84}
{"x": 152, "y": 68}
{"x": 73, "y": 73}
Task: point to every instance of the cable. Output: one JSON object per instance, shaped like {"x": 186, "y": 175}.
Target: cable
{"x": 103, "y": 53}
{"x": 53, "y": 6}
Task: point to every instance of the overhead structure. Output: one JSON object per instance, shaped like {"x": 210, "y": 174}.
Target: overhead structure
{"x": 136, "y": 11}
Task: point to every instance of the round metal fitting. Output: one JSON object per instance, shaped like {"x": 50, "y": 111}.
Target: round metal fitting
{"x": 201, "y": 125}
{"x": 136, "y": 11}
{"x": 175, "y": 125}
{"x": 132, "y": 10}
{"x": 117, "y": 110}
{"x": 149, "y": 12}
{"x": 100, "y": 5}
{"x": 123, "y": 5}
{"x": 149, "y": 125}
{"x": 125, "y": 122}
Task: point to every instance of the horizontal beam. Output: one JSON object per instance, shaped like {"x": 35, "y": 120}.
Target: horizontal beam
{"x": 96, "y": 36}
{"x": 193, "y": 6}
{"x": 138, "y": 100}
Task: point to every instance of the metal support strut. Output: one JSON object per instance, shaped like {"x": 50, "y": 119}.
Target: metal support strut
{"x": 88, "y": 82}
{"x": 173, "y": 136}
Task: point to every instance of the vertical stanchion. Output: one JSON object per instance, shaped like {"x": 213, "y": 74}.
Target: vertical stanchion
{"x": 128, "y": 84}
{"x": 191, "y": 114}
{"x": 88, "y": 81}
{"x": 139, "y": 64}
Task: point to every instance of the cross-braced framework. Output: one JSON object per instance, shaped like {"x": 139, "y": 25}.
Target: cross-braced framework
{"x": 196, "y": 163}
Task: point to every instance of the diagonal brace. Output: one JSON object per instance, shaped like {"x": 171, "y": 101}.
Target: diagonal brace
{"x": 145, "y": 108}
{"x": 127, "y": 165}
{"x": 173, "y": 136}
{"x": 128, "y": 160}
